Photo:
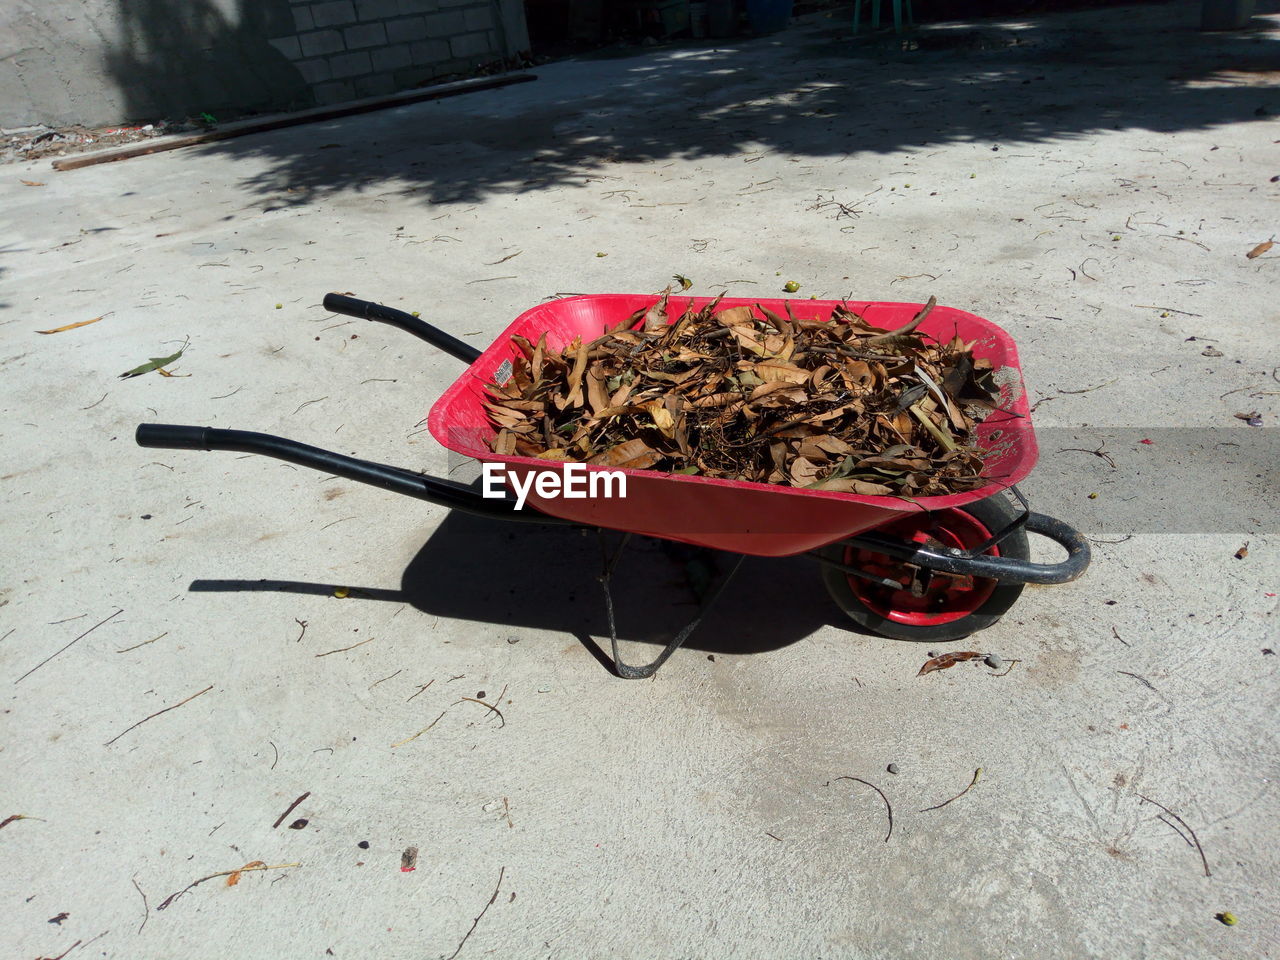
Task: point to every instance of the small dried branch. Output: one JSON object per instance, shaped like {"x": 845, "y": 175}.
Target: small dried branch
{"x": 156, "y": 714}
{"x": 977, "y": 774}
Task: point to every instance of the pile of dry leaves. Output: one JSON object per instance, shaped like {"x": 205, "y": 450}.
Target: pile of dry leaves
{"x": 746, "y": 394}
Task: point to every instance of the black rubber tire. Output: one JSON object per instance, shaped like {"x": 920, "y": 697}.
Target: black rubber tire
{"x": 994, "y": 513}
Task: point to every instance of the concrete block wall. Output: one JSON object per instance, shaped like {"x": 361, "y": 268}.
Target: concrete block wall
{"x": 103, "y": 62}
{"x": 346, "y": 49}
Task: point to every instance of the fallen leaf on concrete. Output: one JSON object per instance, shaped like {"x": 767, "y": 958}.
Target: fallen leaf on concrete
{"x": 234, "y": 876}
{"x": 71, "y": 326}
{"x": 155, "y": 363}
{"x": 1243, "y": 551}
{"x": 32, "y": 183}
{"x": 16, "y": 816}
{"x": 255, "y": 865}
{"x": 948, "y": 660}
{"x": 1260, "y": 249}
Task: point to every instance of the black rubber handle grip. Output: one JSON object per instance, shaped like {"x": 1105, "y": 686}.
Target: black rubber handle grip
{"x": 347, "y": 306}
{"x": 171, "y": 436}
{"x": 368, "y": 310}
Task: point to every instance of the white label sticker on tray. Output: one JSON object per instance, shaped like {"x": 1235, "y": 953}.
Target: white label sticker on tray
{"x": 503, "y": 373}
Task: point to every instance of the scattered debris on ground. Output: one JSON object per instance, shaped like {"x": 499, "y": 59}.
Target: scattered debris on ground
{"x": 36, "y": 142}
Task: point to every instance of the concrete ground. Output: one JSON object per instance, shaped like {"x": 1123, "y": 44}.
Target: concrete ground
{"x": 179, "y": 666}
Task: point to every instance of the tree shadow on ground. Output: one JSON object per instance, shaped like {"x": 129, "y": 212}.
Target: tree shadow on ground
{"x": 812, "y": 91}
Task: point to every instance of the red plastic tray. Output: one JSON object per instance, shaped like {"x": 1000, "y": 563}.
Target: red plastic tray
{"x": 753, "y": 518}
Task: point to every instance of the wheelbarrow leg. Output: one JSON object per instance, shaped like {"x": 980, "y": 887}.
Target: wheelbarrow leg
{"x": 626, "y": 670}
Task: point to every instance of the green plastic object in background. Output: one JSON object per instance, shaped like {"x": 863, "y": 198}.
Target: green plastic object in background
{"x": 875, "y": 15}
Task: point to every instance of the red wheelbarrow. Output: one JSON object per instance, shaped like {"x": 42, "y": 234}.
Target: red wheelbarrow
{"x": 925, "y": 569}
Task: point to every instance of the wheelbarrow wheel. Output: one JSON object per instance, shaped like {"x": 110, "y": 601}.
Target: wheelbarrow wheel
{"x": 941, "y": 607}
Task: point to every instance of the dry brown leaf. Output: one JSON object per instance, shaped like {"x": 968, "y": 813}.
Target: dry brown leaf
{"x": 948, "y": 660}
{"x": 1260, "y": 249}
{"x": 779, "y": 370}
{"x": 655, "y": 321}
{"x": 735, "y": 317}
{"x": 633, "y": 454}
{"x": 71, "y": 326}
{"x": 234, "y": 876}
{"x": 32, "y": 183}
{"x": 576, "y": 374}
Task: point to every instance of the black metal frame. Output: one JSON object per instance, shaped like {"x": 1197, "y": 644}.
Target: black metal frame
{"x": 456, "y": 496}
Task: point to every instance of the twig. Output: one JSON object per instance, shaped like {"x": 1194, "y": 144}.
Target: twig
{"x": 147, "y": 916}
{"x": 68, "y": 646}
{"x": 345, "y": 649}
{"x": 903, "y": 331}
{"x": 143, "y": 643}
{"x": 1199, "y": 849}
{"x": 510, "y": 256}
{"x": 328, "y": 525}
{"x": 1176, "y": 829}
{"x": 476, "y": 922}
{"x": 156, "y": 714}
{"x": 308, "y": 403}
{"x": 1097, "y": 453}
{"x": 168, "y": 901}
{"x": 1151, "y": 306}
{"x": 225, "y": 395}
{"x": 938, "y": 806}
{"x": 1142, "y": 680}
{"x": 420, "y": 732}
{"x": 1115, "y": 633}
{"x": 289, "y": 810}
{"x": 387, "y": 677}
{"x": 303, "y": 625}
{"x": 1171, "y": 236}
{"x": 506, "y": 811}
{"x": 276, "y": 759}
{"x": 18, "y": 816}
{"x": 483, "y": 704}
{"x": 1090, "y": 389}
{"x": 914, "y": 276}
{"x": 1126, "y": 537}
{"x": 888, "y": 807}
{"x": 423, "y": 687}
{"x": 1084, "y": 272}
{"x": 490, "y": 279}
{"x": 92, "y": 405}
{"x": 1012, "y": 664}
{"x": 768, "y": 834}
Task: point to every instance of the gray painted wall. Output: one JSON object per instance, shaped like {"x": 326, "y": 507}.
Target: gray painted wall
{"x": 99, "y": 62}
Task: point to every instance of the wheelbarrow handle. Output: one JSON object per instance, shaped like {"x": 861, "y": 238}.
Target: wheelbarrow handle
{"x": 367, "y": 310}
{"x": 445, "y": 493}
{"x": 1004, "y": 569}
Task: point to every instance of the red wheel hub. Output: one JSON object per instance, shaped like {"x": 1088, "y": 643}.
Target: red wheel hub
{"x": 938, "y": 598}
